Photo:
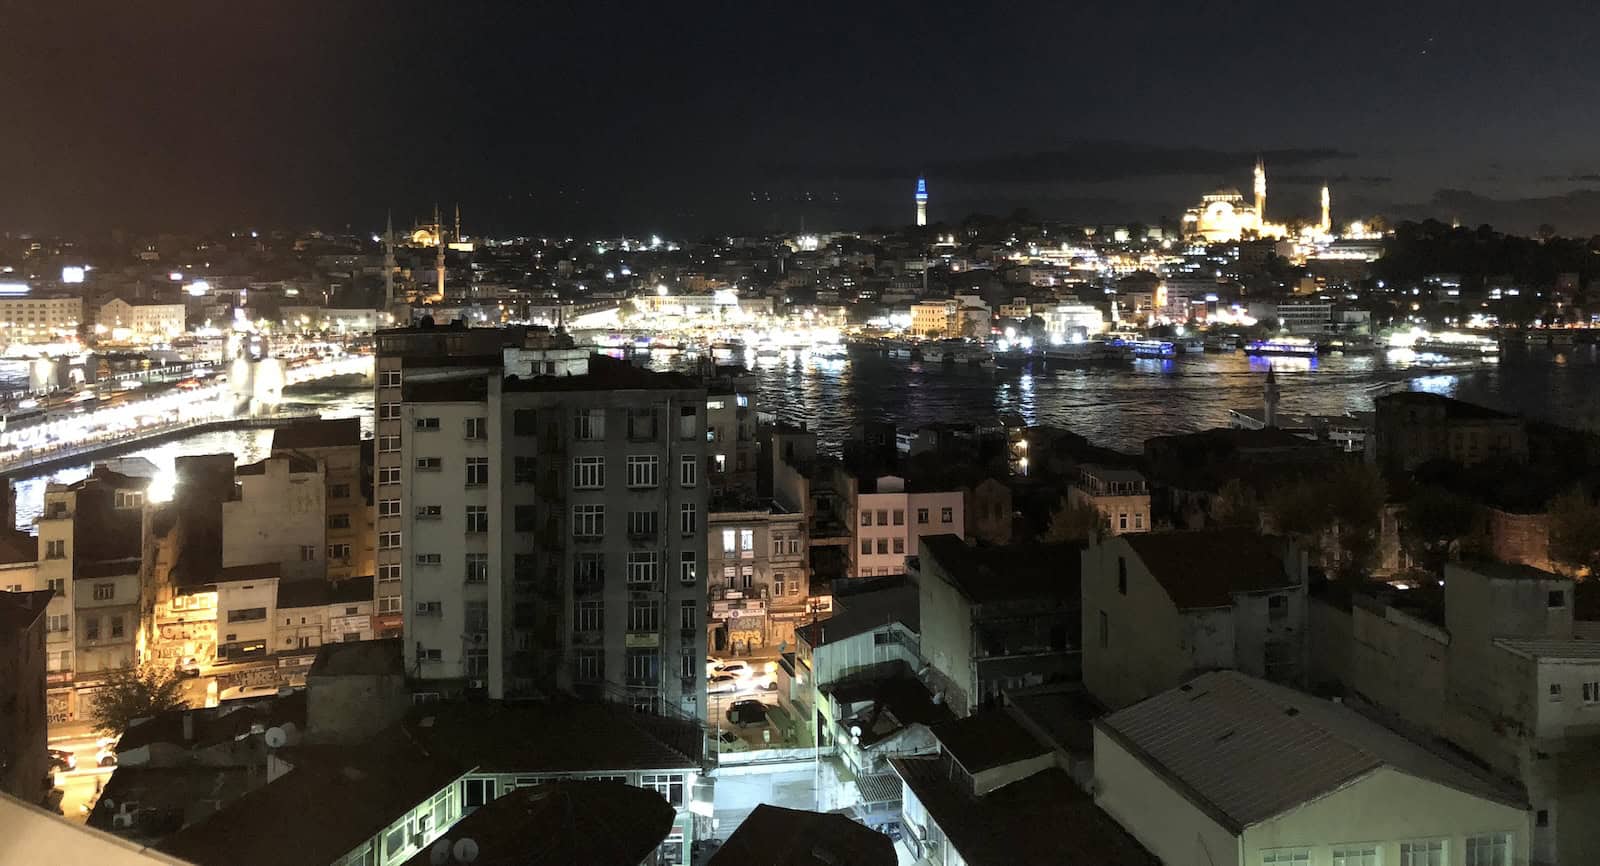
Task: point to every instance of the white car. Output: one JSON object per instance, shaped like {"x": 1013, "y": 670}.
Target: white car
{"x": 738, "y": 669}
{"x": 722, "y": 684}
{"x": 763, "y": 681}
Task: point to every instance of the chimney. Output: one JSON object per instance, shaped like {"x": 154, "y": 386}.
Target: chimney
{"x": 188, "y": 727}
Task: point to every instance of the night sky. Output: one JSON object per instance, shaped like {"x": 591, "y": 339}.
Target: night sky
{"x": 672, "y": 117}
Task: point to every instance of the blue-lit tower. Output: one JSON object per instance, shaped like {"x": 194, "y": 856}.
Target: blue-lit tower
{"x": 922, "y": 201}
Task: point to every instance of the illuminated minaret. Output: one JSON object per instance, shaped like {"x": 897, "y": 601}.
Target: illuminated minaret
{"x": 1269, "y": 414}
{"x": 388, "y": 263}
{"x": 438, "y": 258}
{"x": 922, "y": 201}
{"x": 1261, "y": 192}
{"x": 458, "y": 221}
{"x": 1327, "y": 209}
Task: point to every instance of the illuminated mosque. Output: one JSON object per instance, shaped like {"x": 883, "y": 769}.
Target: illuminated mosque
{"x": 1225, "y": 215}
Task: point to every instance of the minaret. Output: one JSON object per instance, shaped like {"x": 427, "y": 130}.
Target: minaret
{"x": 438, "y": 258}
{"x": 458, "y": 221}
{"x": 388, "y": 262}
{"x": 1261, "y": 192}
{"x": 1327, "y": 210}
{"x": 922, "y": 201}
{"x": 1269, "y": 414}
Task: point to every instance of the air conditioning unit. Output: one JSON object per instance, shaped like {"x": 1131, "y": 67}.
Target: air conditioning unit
{"x": 476, "y": 684}
{"x": 121, "y": 821}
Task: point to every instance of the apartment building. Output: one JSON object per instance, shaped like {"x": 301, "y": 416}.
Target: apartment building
{"x": 731, "y": 432}
{"x": 41, "y": 318}
{"x": 277, "y": 514}
{"x": 1122, "y": 496}
{"x": 756, "y": 575}
{"x": 24, "y": 765}
{"x": 890, "y": 518}
{"x": 138, "y": 321}
{"x": 552, "y": 534}
{"x": 346, "y": 463}
{"x": 934, "y": 319}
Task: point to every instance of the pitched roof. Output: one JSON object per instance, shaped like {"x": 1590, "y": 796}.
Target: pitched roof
{"x": 775, "y": 836}
{"x": 561, "y": 823}
{"x": 1206, "y": 568}
{"x": 20, "y": 610}
{"x": 216, "y": 724}
{"x": 1247, "y": 750}
{"x": 320, "y": 433}
{"x": 863, "y": 612}
{"x": 986, "y": 574}
{"x": 556, "y": 737}
{"x": 1042, "y": 819}
{"x": 360, "y": 658}
{"x": 321, "y": 809}
{"x": 18, "y": 546}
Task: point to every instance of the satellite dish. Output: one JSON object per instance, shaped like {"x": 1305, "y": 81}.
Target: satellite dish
{"x": 855, "y": 730}
{"x": 275, "y": 737}
{"x": 439, "y": 854}
{"x": 465, "y": 850}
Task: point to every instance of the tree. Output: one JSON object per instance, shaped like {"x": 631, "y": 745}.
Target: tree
{"x": 1433, "y": 525}
{"x": 1575, "y": 534}
{"x": 1236, "y": 506}
{"x": 136, "y": 694}
{"x": 1077, "y": 521}
{"x": 1355, "y": 494}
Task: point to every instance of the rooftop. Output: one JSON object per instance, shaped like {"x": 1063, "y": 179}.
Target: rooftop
{"x": 254, "y": 571}
{"x": 607, "y": 374}
{"x": 1031, "y": 822}
{"x": 20, "y": 610}
{"x": 892, "y": 699}
{"x": 321, "y": 433}
{"x": 775, "y": 836}
{"x": 1062, "y": 714}
{"x": 322, "y": 809}
{"x": 1206, "y": 568}
{"x": 1453, "y": 409}
{"x": 1507, "y": 570}
{"x": 17, "y": 546}
{"x": 360, "y": 658}
{"x": 1552, "y": 649}
{"x": 988, "y": 574}
{"x": 561, "y": 823}
{"x": 864, "y": 612}
{"x": 317, "y": 593}
{"x": 217, "y": 724}
{"x": 556, "y": 737}
{"x": 1246, "y": 750}
{"x": 988, "y": 739}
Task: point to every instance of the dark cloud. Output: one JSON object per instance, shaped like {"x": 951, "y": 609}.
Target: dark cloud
{"x": 1585, "y": 178}
{"x": 1576, "y": 212}
{"x": 1081, "y": 162}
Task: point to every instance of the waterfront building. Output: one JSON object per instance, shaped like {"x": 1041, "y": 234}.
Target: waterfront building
{"x": 24, "y": 763}
{"x": 1413, "y": 427}
{"x": 935, "y": 320}
{"x": 121, "y": 321}
{"x": 1158, "y": 607}
{"x": 1242, "y": 771}
{"x": 41, "y": 318}
{"x": 1122, "y": 496}
{"x": 1225, "y": 216}
{"x": 553, "y": 534}
{"x": 1066, "y": 323}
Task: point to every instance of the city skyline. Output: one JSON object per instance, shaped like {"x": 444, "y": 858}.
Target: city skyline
{"x": 697, "y": 120}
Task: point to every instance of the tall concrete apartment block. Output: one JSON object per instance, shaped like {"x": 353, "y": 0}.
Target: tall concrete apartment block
{"x": 552, "y": 534}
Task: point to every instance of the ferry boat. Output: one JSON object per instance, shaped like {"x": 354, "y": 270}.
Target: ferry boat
{"x": 1455, "y": 345}
{"x": 1191, "y": 345}
{"x": 1153, "y": 349}
{"x": 1300, "y": 346}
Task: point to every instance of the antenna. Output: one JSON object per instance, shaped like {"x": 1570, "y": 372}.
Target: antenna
{"x": 465, "y": 850}
{"x": 275, "y": 737}
{"x": 439, "y": 853}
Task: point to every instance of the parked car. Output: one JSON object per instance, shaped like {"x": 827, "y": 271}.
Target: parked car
{"x": 722, "y": 684}
{"x": 63, "y": 760}
{"x": 738, "y": 669}
{"x": 106, "y": 757}
{"x": 712, "y": 664}
{"x": 747, "y": 712}
{"x": 764, "y": 681}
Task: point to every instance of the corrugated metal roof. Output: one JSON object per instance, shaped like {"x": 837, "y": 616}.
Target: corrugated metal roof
{"x": 1248, "y": 750}
{"x": 1552, "y": 648}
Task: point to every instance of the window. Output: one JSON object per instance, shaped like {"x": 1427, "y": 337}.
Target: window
{"x": 1591, "y": 692}
{"x": 899, "y": 545}
{"x": 427, "y": 423}
{"x": 777, "y": 583}
{"x": 687, "y": 614}
{"x": 395, "y": 844}
{"x": 641, "y": 424}
{"x": 687, "y": 567}
{"x": 477, "y": 471}
{"x": 247, "y": 614}
{"x": 747, "y": 542}
{"x": 128, "y": 499}
{"x": 1138, "y": 520}
{"x": 1355, "y": 855}
{"x": 669, "y": 786}
{"x": 883, "y": 545}
{"x": 589, "y": 424}
{"x": 866, "y": 517}
{"x": 688, "y": 519}
{"x": 389, "y": 604}
{"x": 339, "y": 552}
{"x": 430, "y": 608}
{"x": 524, "y": 518}
{"x": 883, "y": 517}
{"x": 430, "y": 512}
{"x": 388, "y": 541}
{"x": 641, "y": 567}
{"x": 899, "y": 517}
{"x": 429, "y": 464}
{"x": 476, "y": 428}
{"x": 105, "y": 591}
{"x": 866, "y": 545}
{"x": 730, "y": 541}
{"x": 428, "y": 559}
{"x": 91, "y": 628}
{"x": 477, "y": 518}
{"x": 524, "y": 470}
{"x": 1555, "y": 693}
{"x": 389, "y": 412}
{"x": 588, "y": 473}
{"x": 388, "y": 378}
{"x": 476, "y": 792}
{"x": 591, "y": 615}
{"x": 57, "y": 585}
{"x": 477, "y": 568}
{"x": 588, "y": 521}
{"x": 57, "y": 622}
{"x": 688, "y": 420}
{"x": 116, "y": 626}
{"x": 388, "y": 572}
{"x": 389, "y": 475}
{"x": 591, "y": 665}
{"x": 688, "y": 470}
{"x": 388, "y": 508}
{"x": 922, "y": 516}
{"x": 642, "y": 523}
{"x": 1277, "y": 607}
{"x": 56, "y": 549}
{"x": 947, "y": 515}
{"x": 589, "y": 570}
{"x": 1300, "y": 856}
{"x": 1426, "y": 853}
{"x": 1556, "y": 599}
{"x": 338, "y": 521}
{"x": 389, "y": 443}
{"x": 644, "y": 616}
{"x": 644, "y": 472}
{"x": 1105, "y": 630}
{"x": 1489, "y": 849}
{"x": 1541, "y": 818}
{"x": 643, "y": 665}
{"x": 476, "y": 616}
